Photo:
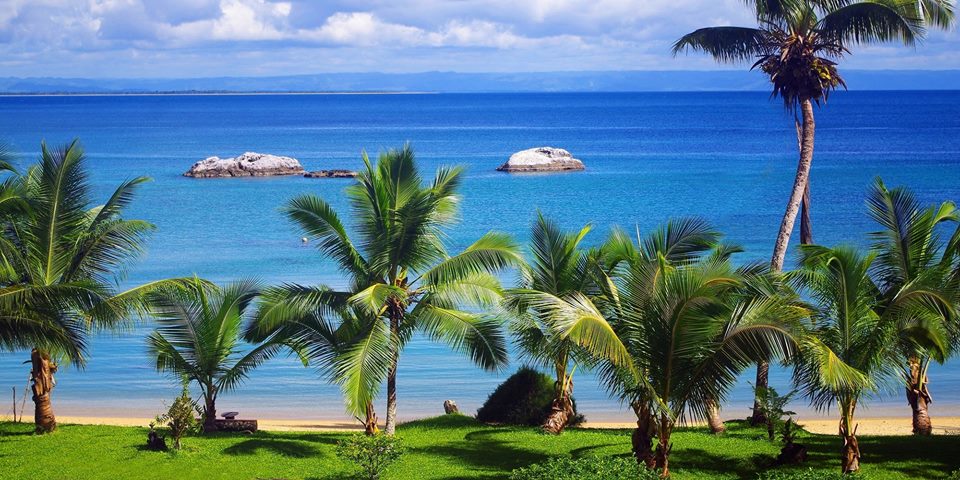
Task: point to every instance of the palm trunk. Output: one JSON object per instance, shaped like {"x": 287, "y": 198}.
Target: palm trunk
{"x": 919, "y": 398}
{"x": 390, "y": 427}
{"x": 662, "y": 455}
{"x": 806, "y": 227}
{"x": 42, "y": 383}
{"x": 713, "y": 417}
{"x": 799, "y": 186}
{"x": 763, "y": 381}
{"x": 643, "y": 435}
{"x": 370, "y": 422}
{"x": 562, "y": 407}
{"x": 850, "y": 453}
{"x": 210, "y": 410}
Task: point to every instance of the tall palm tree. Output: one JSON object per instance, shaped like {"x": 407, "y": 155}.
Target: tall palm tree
{"x": 691, "y": 323}
{"x": 560, "y": 271}
{"x": 911, "y": 251}
{"x": 401, "y": 274}
{"x": 798, "y": 43}
{"x": 198, "y": 338}
{"x": 59, "y": 262}
{"x": 853, "y": 346}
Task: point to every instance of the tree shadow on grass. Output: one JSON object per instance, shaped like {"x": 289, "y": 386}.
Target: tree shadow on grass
{"x": 910, "y": 456}
{"x": 480, "y": 449}
{"x": 287, "y": 448}
{"x": 704, "y": 461}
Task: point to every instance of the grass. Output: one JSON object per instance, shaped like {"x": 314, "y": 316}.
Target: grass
{"x": 447, "y": 447}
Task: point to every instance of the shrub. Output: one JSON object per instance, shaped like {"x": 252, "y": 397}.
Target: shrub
{"x": 522, "y": 399}
{"x": 372, "y": 454}
{"x": 180, "y": 417}
{"x": 955, "y": 475}
{"x": 809, "y": 474}
{"x": 586, "y": 468}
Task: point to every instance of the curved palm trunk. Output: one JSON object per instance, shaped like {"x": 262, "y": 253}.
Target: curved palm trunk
{"x": 370, "y": 422}
{"x": 850, "y": 453}
{"x": 642, "y": 438}
{"x": 713, "y": 417}
{"x": 42, "y": 383}
{"x": 919, "y": 398}
{"x": 662, "y": 455}
{"x": 806, "y": 227}
{"x": 800, "y": 189}
{"x": 561, "y": 410}
{"x": 396, "y": 313}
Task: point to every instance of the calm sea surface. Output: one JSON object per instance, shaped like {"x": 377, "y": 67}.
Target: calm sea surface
{"x": 728, "y": 157}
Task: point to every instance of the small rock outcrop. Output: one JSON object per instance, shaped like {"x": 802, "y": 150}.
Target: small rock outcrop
{"x": 331, "y": 174}
{"x": 250, "y": 164}
{"x": 541, "y": 159}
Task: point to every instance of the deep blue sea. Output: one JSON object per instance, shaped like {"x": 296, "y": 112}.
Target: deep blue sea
{"x": 728, "y": 157}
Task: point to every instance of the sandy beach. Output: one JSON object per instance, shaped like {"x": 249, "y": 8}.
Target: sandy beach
{"x": 826, "y": 426}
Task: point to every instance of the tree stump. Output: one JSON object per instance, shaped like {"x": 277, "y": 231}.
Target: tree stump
{"x": 450, "y": 406}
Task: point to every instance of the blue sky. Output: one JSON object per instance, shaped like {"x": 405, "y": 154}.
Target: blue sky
{"x": 203, "y": 38}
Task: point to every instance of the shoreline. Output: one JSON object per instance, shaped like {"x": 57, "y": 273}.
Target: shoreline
{"x": 870, "y": 426}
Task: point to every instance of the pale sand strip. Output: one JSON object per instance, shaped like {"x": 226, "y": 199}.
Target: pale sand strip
{"x": 826, "y": 426}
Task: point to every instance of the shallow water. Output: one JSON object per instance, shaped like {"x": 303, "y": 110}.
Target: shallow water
{"x": 728, "y": 157}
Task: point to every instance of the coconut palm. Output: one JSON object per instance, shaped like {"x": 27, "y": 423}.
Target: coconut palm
{"x": 910, "y": 251}
{"x": 560, "y": 271}
{"x": 402, "y": 276}
{"x": 691, "y": 323}
{"x": 853, "y": 348}
{"x": 798, "y": 43}
{"x": 199, "y": 338}
{"x": 344, "y": 343}
{"x": 59, "y": 262}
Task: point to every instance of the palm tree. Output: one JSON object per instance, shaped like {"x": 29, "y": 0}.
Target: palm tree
{"x": 198, "y": 338}
{"x": 853, "y": 346}
{"x": 402, "y": 276}
{"x": 59, "y": 261}
{"x": 691, "y": 323}
{"x": 560, "y": 271}
{"x": 798, "y": 43}
{"x": 911, "y": 252}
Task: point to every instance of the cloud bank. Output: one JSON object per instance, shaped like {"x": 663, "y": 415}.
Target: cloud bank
{"x": 192, "y": 38}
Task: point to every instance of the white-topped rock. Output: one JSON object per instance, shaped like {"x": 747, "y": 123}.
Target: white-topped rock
{"x": 250, "y": 164}
{"x": 541, "y": 159}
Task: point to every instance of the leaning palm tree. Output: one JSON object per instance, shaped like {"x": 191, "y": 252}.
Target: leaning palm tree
{"x": 690, "y": 327}
{"x": 911, "y": 251}
{"x": 798, "y": 43}
{"x": 198, "y": 338}
{"x": 59, "y": 262}
{"x": 401, "y": 274}
{"x": 853, "y": 347}
{"x": 560, "y": 270}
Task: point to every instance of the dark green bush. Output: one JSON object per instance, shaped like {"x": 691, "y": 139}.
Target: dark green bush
{"x": 955, "y": 475}
{"x": 586, "y": 468}
{"x": 809, "y": 474}
{"x": 522, "y": 399}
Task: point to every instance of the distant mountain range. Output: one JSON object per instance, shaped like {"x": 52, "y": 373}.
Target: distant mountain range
{"x": 449, "y": 82}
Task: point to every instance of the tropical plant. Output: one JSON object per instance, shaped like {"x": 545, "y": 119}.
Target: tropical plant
{"x": 59, "y": 262}
{"x": 690, "y": 322}
{"x": 372, "y": 454}
{"x": 560, "y": 277}
{"x": 797, "y": 43}
{"x": 180, "y": 418}
{"x": 198, "y": 337}
{"x": 402, "y": 279}
{"x": 772, "y": 406}
{"x": 853, "y": 346}
{"x": 910, "y": 252}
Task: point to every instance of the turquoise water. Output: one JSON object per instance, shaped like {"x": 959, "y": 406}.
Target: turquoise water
{"x": 729, "y": 157}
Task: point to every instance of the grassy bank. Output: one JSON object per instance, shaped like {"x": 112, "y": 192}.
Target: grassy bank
{"x": 450, "y": 447}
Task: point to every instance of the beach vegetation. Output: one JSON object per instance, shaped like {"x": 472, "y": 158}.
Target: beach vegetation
{"x": 372, "y": 454}
{"x": 525, "y": 398}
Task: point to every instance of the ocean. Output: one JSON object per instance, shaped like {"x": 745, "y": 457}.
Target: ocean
{"x": 727, "y": 157}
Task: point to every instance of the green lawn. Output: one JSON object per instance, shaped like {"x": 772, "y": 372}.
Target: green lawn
{"x": 449, "y": 447}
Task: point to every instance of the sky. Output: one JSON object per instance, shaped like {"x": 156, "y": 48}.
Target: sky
{"x": 211, "y": 38}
